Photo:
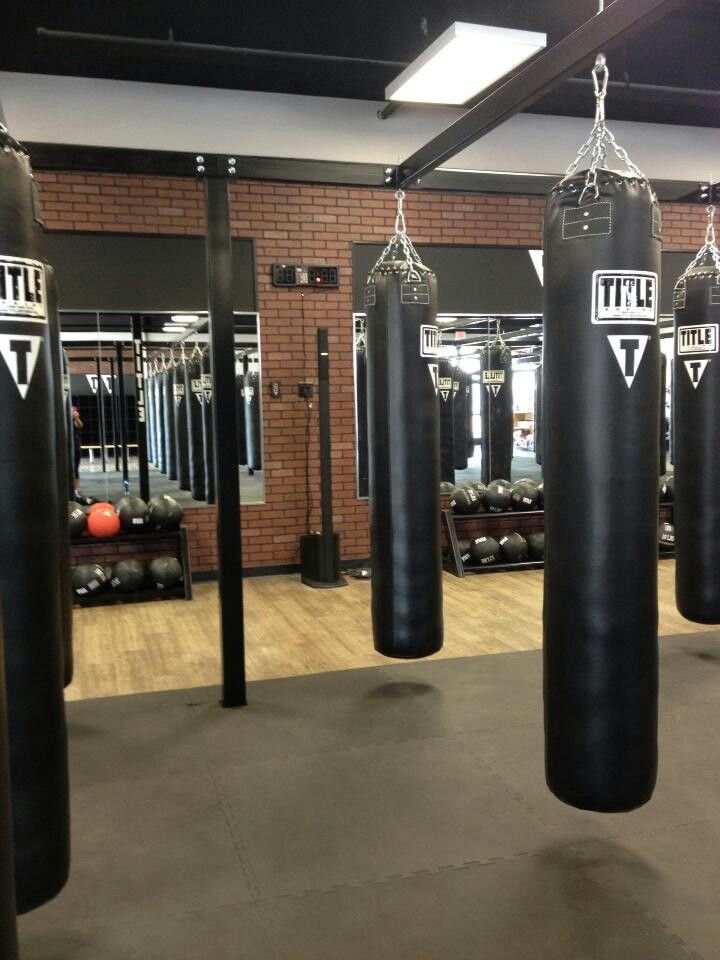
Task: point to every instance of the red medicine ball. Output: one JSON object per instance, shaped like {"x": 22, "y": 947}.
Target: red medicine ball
{"x": 103, "y": 522}
{"x": 100, "y": 505}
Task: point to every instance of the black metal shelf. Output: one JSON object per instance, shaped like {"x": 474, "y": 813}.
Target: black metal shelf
{"x": 109, "y": 596}
{"x": 484, "y": 514}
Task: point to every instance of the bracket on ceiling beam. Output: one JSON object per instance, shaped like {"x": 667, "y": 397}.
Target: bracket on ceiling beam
{"x": 219, "y": 167}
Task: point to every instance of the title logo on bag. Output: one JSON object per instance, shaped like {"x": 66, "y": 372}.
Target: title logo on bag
{"x": 629, "y": 351}
{"x": 695, "y": 370}
{"x": 698, "y": 339}
{"x": 433, "y": 368}
{"x": 624, "y": 296}
{"x": 22, "y": 290}
{"x": 207, "y": 386}
{"x": 429, "y": 341}
{"x": 20, "y": 354}
{"x": 493, "y": 380}
{"x": 445, "y": 385}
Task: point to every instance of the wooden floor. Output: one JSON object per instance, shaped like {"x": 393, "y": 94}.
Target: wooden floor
{"x": 292, "y": 630}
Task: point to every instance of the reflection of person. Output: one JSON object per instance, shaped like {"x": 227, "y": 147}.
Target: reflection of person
{"x": 77, "y": 428}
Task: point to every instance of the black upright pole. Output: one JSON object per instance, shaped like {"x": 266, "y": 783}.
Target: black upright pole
{"x": 123, "y": 416}
{"x": 101, "y": 412}
{"x": 222, "y": 344}
{"x": 139, "y": 367}
{"x": 113, "y": 415}
{"x": 324, "y": 412}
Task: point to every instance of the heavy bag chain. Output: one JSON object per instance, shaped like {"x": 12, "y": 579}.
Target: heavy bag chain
{"x": 8, "y": 142}
{"x": 708, "y": 249}
{"x": 596, "y": 145}
{"x": 402, "y": 240}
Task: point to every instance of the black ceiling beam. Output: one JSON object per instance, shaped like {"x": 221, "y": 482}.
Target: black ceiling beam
{"x": 566, "y": 58}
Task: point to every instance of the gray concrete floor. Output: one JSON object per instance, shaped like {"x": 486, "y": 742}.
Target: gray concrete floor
{"x": 108, "y": 485}
{"x": 396, "y": 812}
{"x": 523, "y": 465}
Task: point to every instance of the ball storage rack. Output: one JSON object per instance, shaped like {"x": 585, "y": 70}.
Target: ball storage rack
{"x": 483, "y": 524}
{"x": 144, "y": 546}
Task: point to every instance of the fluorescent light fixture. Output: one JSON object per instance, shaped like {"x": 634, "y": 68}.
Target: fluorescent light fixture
{"x": 464, "y": 60}
{"x": 174, "y": 327}
{"x": 184, "y": 318}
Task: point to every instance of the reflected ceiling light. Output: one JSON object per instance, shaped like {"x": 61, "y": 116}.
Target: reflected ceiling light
{"x": 464, "y": 60}
{"x": 174, "y": 327}
{"x": 184, "y": 318}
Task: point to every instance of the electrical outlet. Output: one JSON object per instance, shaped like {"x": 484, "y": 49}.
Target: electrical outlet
{"x": 305, "y": 390}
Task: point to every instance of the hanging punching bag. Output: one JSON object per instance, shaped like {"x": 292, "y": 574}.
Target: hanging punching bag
{"x": 194, "y": 411}
{"x": 30, "y": 545}
{"x": 460, "y": 419}
{"x": 496, "y": 410}
{"x": 64, "y": 478}
{"x": 161, "y": 449}
{"x": 469, "y": 429}
{"x": 696, "y": 431}
{"x": 208, "y": 435}
{"x": 662, "y": 439}
{"x": 252, "y": 434}
{"x": 402, "y": 347}
{"x": 8, "y": 926}
{"x": 150, "y": 412}
{"x": 168, "y": 384}
{"x": 600, "y": 409}
{"x": 446, "y": 408}
{"x": 538, "y": 414}
{"x": 180, "y": 415}
{"x": 240, "y": 408}
{"x": 69, "y": 426}
{"x": 361, "y": 415}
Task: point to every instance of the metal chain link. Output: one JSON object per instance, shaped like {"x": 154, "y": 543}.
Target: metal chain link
{"x": 600, "y": 137}
{"x": 708, "y": 249}
{"x": 402, "y": 240}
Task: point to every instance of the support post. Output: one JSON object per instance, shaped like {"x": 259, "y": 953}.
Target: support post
{"x": 139, "y": 369}
{"x": 123, "y": 417}
{"x": 101, "y": 412}
{"x": 113, "y": 415}
{"x": 222, "y": 350}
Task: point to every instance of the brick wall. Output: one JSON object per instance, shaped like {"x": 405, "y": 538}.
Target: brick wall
{"x": 304, "y": 223}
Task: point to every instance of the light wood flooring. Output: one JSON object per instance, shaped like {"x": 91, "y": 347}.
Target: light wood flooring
{"x": 292, "y": 630}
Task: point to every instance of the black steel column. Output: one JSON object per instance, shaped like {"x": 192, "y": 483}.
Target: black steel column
{"x": 139, "y": 367}
{"x": 222, "y": 352}
{"x": 101, "y": 411}
{"x": 123, "y": 416}
{"x": 324, "y": 413}
{"x": 113, "y": 415}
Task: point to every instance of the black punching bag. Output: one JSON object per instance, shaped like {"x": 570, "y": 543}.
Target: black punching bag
{"x": 446, "y": 407}
{"x": 63, "y": 474}
{"x": 8, "y": 926}
{"x": 30, "y": 546}
{"x": 150, "y": 414}
{"x": 460, "y": 403}
{"x": 160, "y": 377}
{"x": 404, "y": 447}
{"x": 696, "y": 432}
{"x": 168, "y": 378}
{"x": 69, "y": 424}
{"x": 181, "y": 433}
{"x": 361, "y": 415}
{"x": 194, "y": 409}
{"x": 240, "y": 414}
{"x": 600, "y": 409}
{"x": 538, "y": 414}
{"x": 496, "y": 409}
{"x": 469, "y": 429}
{"x": 252, "y": 420}
{"x": 208, "y": 435}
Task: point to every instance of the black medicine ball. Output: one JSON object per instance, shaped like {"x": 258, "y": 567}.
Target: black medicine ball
{"x": 77, "y": 519}
{"x": 484, "y": 550}
{"x": 541, "y": 495}
{"x": 513, "y": 548}
{"x": 524, "y": 495}
{"x": 165, "y": 572}
{"x": 88, "y": 579}
{"x": 667, "y": 484}
{"x": 497, "y": 496}
{"x": 478, "y": 486}
{"x": 536, "y": 546}
{"x": 464, "y": 549}
{"x": 127, "y": 576}
{"x": 165, "y": 513}
{"x": 666, "y": 536}
{"x": 464, "y": 500}
{"x": 133, "y": 513}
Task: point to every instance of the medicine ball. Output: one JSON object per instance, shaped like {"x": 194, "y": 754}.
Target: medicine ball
{"x": 497, "y": 496}
{"x": 464, "y": 500}
{"x": 484, "y": 551}
{"x": 541, "y": 496}
{"x": 464, "y": 549}
{"x": 513, "y": 548}
{"x": 76, "y": 519}
{"x": 128, "y": 576}
{"x": 133, "y": 513}
{"x": 666, "y": 536}
{"x": 524, "y": 495}
{"x": 99, "y": 505}
{"x": 165, "y": 513}
{"x": 667, "y": 488}
{"x": 478, "y": 486}
{"x": 165, "y": 572}
{"x": 446, "y": 488}
{"x": 103, "y": 522}
{"x": 536, "y": 546}
{"x": 88, "y": 579}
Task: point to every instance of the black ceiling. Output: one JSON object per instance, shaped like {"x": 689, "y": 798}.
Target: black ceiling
{"x": 681, "y": 51}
